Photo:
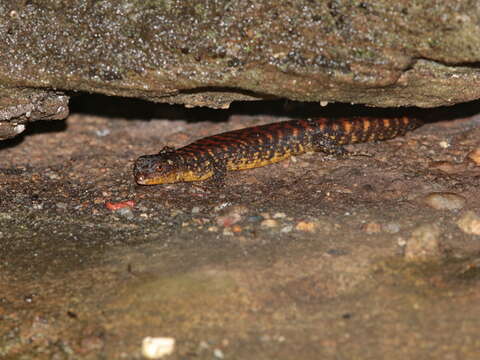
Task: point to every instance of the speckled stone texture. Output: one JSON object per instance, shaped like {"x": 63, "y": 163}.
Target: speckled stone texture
{"x": 210, "y": 53}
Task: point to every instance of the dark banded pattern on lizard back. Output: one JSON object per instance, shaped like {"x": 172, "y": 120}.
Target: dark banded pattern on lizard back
{"x": 258, "y": 146}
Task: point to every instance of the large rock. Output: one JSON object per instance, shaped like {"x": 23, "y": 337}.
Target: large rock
{"x": 210, "y": 53}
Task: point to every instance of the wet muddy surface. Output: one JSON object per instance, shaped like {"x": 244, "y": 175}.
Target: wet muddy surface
{"x": 364, "y": 257}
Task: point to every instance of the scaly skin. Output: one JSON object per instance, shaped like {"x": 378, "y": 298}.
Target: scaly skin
{"x": 252, "y": 147}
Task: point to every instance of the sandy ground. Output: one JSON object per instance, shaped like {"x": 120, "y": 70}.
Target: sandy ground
{"x": 367, "y": 257}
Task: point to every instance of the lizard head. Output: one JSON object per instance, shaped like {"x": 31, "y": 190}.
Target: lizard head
{"x": 161, "y": 168}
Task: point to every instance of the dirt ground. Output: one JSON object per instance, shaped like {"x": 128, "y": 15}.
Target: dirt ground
{"x": 364, "y": 257}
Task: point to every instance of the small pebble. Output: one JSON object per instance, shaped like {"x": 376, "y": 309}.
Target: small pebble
{"x": 474, "y": 155}
{"x": 269, "y": 223}
{"x": 424, "y": 244}
{"x": 469, "y": 223}
{"x": 391, "y": 228}
{"x": 444, "y": 144}
{"x": 52, "y": 176}
{"x": 157, "y": 347}
{"x": 279, "y": 215}
{"x": 372, "y": 228}
{"x": 218, "y": 353}
{"x": 227, "y": 231}
{"x": 195, "y": 210}
{"x": 125, "y": 212}
{"x": 221, "y": 206}
{"x": 286, "y": 229}
{"x": 307, "y": 226}
{"x": 113, "y": 206}
{"x": 236, "y": 228}
{"x": 213, "y": 229}
{"x": 102, "y": 132}
{"x": 444, "y": 201}
{"x": 19, "y": 129}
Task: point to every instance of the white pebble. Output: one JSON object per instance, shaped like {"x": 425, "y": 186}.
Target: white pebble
{"x": 102, "y": 132}
{"x": 218, "y": 354}
{"x": 444, "y": 144}
{"x": 52, "y": 176}
{"x": 222, "y": 206}
{"x": 157, "y": 347}
{"x": 195, "y": 210}
{"x": 469, "y": 223}
{"x": 19, "y": 129}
